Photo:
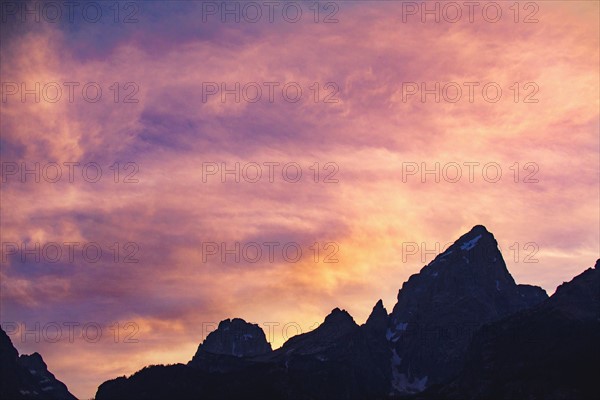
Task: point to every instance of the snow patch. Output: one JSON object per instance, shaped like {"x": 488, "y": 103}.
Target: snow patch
{"x": 391, "y": 336}
{"x": 401, "y": 326}
{"x": 403, "y": 384}
{"x": 441, "y": 256}
{"x": 471, "y": 243}
{"x": 396, "y": 359}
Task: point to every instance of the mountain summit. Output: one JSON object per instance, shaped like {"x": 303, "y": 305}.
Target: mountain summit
{"x": 236, "y": 338}
{"x": 439, "y": 308}
{"x": 378, "y": 319}
{"x": 229, "y": 346}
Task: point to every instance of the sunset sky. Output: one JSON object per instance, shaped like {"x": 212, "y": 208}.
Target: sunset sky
{"x": 370, "y": 135}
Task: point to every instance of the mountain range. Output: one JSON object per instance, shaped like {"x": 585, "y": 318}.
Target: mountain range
{"x": 461, "y": 328}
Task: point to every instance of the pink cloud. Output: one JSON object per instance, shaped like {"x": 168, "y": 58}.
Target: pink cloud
{"x": 371, "y": 134}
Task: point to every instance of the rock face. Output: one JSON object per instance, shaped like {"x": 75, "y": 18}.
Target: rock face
{"x": 462, "y": 312}
{"x": 337, "y": 325}
{"x": 337, "y": 360}
{"x": 378, "y": 320}
{"x": 27, "y": 377}
{"x": 440, "y": 308}
{"x": 230, "y": 346}
{"x": 236, "y": 338}
{"x": 548, "y": 352}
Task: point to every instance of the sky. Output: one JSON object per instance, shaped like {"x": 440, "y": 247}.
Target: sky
{"x": 168, "y": 165}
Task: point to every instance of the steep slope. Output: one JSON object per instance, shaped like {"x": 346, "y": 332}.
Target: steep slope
{"x": 439, "y": 308}
{"x": 549, "y": 352}
{"x": 340, "y": 359}
{"x": 27, "y": 377}
{"x": 228, "y": 347}
{"x": 236, "y": 338}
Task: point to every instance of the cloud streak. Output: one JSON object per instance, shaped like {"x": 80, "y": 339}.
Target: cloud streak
{"x": 371, "y": 135}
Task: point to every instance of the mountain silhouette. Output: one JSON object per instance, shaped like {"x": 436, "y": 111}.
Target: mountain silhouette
{"x": 461, "y": 329}
{"x": 548, "y": 352}
{"x": 26, "y": 377}
{"x": 439, "y": 309}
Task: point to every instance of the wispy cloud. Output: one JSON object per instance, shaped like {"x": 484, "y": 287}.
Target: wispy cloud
{"x": 372, "y": 135}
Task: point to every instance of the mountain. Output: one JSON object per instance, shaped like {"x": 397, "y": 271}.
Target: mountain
{"x": 235, "y": 338}
{"x": 440, "y": 308}
{"x": 229, "y": 346}
{"x": 378, "y": 320}
{"x": 26, "y": 377}
{"x": 549, "y": 352}
{"x": 448, "y": 318}
{"x": 338, "y": 359}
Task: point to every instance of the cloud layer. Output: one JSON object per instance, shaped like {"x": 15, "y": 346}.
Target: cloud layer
{"x": 375, "y": 147}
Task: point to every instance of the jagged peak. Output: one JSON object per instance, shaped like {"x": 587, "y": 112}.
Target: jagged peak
{"x": 236, "y": 337}
{"x": 235, "y": 322}
{"x": 336, "y": 325}
{"x": 472, "y": 265}
{"x": 28, "y": 374}
{"x": 33, "y": 361}
{"x": 474, "y": 247}
{"x": 378, "y": 317}
{"x": 587, "y": 281}
{"x": 34, "y": 358}
{"x": 479, "y": 229}
{"x": 339, "y": 316}
{"x": 379, "y": 309}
